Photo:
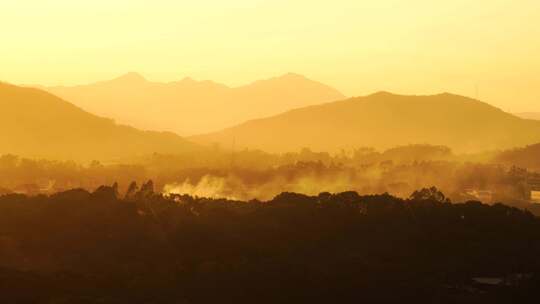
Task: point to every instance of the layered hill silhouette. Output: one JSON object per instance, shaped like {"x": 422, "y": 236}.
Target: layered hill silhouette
{"x": 35, "y": 123}
{"x": 194, "y": 107}
{"x": 384, "y": 120}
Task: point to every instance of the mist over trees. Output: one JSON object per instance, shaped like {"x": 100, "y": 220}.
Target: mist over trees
{"x": 246, "y": 175}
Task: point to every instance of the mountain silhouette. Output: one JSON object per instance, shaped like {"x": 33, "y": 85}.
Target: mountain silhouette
{"x": 384, "y": 120}
{"x": 35, "y": 123}
{"x": 193, "y": 107}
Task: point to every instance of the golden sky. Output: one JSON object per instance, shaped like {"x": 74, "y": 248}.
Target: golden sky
{"x": 357, "y": 46}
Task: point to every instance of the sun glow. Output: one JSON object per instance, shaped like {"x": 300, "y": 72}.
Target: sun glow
{"x": 480, "y": 48}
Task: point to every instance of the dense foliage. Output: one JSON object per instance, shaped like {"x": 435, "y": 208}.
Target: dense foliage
{"x": 81, "y": 247}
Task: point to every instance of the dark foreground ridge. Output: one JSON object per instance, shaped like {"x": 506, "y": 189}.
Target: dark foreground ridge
{"x": 81, "y": 247}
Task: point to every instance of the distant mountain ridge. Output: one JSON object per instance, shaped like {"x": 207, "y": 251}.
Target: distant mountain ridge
{"x": 192, "y": 107}
{"x": 384, "y": 120}
{"x": 35, "y": 123}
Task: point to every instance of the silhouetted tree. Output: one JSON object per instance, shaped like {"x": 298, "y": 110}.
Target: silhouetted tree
{"x": 132, "y": 190}
{"x": 429, "y": 194}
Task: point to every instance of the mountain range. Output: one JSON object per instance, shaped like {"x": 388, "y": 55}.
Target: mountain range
{"x": 193, "y": 107}
{"x": 35, "y": 123}
{"x": 38, "y": 124}
{"x": 384, "y": 120}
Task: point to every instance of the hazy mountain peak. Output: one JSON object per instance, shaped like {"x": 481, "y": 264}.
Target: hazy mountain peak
{"x": 292, "y": 75}
{"x": 188, "y": 83}
{"x": 131, "y": 77}
{"x": 190, "y": 106}
{"x": 188, "y": 80}
{"x": 383, "y": 94}
{"x": 387, "y": 94}
{"x": 439, "y": 98}
{"x": 456, "y": 96}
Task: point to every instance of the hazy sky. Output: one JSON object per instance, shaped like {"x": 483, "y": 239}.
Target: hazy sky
{"x": 357, "y": 46}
